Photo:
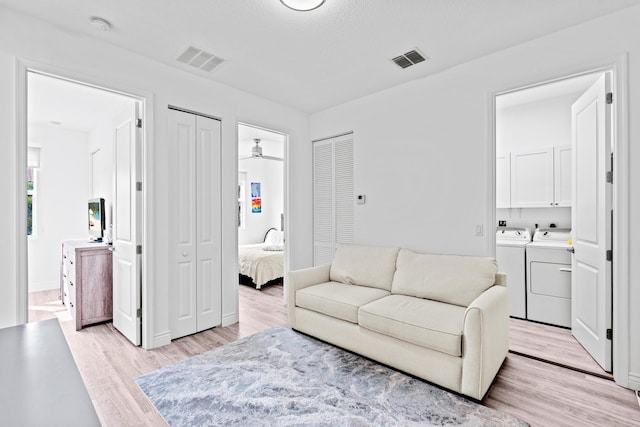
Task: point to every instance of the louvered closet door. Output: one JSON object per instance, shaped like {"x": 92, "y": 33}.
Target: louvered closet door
{"x": 333, "y": 196}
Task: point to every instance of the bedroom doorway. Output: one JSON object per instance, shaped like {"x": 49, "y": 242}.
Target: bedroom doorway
{"x": 261, "y": 211}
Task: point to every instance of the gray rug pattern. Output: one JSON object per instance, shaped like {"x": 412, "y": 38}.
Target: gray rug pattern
{"x": 279, "y": 377}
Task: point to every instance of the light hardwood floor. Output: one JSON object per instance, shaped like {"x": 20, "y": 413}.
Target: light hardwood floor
{"x": 540, "y": 393}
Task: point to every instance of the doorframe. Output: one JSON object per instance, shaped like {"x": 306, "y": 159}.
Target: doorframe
{"x": 286, "y": 166}
{"x": 618, "y": 67}
{"x": 23, "y": 66}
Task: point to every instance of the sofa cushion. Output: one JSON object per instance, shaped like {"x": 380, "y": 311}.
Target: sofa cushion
{"x": 454, "y": 279}
{"x": 337, "y": 299}
{"x": 423, "y": 322}
{"x": 371, "y": 266}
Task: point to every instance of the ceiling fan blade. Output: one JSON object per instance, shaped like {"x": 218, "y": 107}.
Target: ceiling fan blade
{"x": 280, "y": 159}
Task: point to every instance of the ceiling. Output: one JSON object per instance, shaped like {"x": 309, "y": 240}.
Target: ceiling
{"x": 318, "y": 59}
{"x": 70, "y": 106}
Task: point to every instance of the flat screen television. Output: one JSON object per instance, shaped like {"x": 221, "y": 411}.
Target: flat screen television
{"x": 96, "y": 219}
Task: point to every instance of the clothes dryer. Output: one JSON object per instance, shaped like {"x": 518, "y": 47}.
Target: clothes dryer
{"x": 549, "y": 277}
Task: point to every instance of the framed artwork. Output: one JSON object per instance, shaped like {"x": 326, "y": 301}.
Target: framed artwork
{"x": 256, "y": 197}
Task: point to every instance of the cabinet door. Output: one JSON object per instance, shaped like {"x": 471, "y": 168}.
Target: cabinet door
{"x": 562, "y": 176}
{"x": 503, "y": 181}
{"x": 532, "y": 178}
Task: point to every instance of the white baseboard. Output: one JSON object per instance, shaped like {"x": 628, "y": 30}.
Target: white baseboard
{"x": 46, "y": 286}
{"x": 634, "y": 381}
{"x": 161, "y": 339}
{"x": 230, "y": 319}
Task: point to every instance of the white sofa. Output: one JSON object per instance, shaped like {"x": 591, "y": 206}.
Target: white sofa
{"x": 443, "y": 318}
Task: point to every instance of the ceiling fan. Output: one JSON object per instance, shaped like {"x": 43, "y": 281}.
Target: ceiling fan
{"x": 256, "y": 153}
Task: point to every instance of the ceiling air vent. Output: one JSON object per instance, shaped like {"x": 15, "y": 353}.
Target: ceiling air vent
{"x": 200, "y": 59}
{"x": 408, "y": 59}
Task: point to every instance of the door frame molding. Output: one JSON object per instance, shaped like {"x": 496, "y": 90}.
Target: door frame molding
{"x": 618, "y": 67}
{"x": 22, "y": 67}
{"x": 286, "y": 170}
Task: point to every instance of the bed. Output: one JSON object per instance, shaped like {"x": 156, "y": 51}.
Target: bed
{"x": 262, "y": 264}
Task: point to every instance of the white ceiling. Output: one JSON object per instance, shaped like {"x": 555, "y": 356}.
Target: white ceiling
{"x": 318, "y": 59}
{"x": 73, "y": 106}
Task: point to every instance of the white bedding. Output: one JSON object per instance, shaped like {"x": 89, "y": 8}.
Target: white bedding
{"x": 260, "y": 265}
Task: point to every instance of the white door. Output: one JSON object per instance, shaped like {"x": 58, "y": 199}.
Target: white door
{"x": 208, "y": 224}
{"x": 591, "y": 222}
{"x": 127, "y": 227}
{"x": 196, "y": 288}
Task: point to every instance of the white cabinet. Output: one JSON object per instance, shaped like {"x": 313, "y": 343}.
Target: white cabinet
{"x": 538, "y": 178}
{"x": 195, "y": 300}
{"x": 503, "y": 181}
{"x": 562, "y": 176}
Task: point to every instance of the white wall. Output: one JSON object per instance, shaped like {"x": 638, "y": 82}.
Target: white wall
{"x": 105, "y": 65}
{"x": 424, "y": 150}
{"x": 545, "y": 123}
{"x": 62, "y": 193}
{"x": 269, "y": 173}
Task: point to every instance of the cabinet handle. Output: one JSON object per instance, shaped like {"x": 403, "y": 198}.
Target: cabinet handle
{"x": 565, "y": 270}
{"x": 571, "y": 249}
{"x": 71, "y": 304}
{"x": 556, "y": 204}
{"x": 70, "y": 283}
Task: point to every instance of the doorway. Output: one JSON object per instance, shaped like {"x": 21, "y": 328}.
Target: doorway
{"x": 71, "y": 141}
{"x": 535, "y": 196}
{"x": 261, "y": 215}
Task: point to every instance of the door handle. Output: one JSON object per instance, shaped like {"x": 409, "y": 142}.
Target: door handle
{"x": 565, "y": 270}
{"x": 571, "y": 249}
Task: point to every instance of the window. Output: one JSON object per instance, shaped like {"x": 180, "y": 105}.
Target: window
{"x": 33, "y": 164}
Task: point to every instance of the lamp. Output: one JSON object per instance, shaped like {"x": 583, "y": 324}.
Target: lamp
{"x": 302, "y": 5}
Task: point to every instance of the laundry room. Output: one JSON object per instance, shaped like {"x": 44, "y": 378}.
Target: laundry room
{"x": 536, "y": 186}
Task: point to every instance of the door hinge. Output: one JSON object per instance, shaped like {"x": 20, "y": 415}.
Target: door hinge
{"x": 609, "y": 334}
{"x": 139, "y": 312}
{"x": 609, "y": 255}
{"x": 610, "y": 98}
{"x": 138, "y": 123}
{"x": 138, "y": 186}
{"x": 139, "y": 249}
{"x": 610, "y": 177}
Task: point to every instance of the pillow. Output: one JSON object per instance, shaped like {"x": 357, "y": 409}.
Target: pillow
{"x": 371, "y": 266}
{"x": 453, "y": 279}
{"x": 273, "y": 248}
{"x": 274, "y": 237}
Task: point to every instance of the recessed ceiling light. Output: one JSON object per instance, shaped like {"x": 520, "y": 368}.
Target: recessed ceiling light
{"x": 100, "y": 24}
{"x": 302, "y": 5}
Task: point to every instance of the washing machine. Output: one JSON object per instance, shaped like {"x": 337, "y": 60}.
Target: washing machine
{"x": 549, "y": 277}
{"x": 510, "y": 253}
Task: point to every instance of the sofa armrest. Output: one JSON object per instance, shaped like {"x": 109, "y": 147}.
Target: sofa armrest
{"x": 300, "y": 279}
{"x": 485, "y": 340}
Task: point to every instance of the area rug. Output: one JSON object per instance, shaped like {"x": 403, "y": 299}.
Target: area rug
{"x": 280, "y": 377}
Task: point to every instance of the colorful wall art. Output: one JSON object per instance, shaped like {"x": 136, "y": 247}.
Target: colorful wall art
{"x": 256, "y": 198}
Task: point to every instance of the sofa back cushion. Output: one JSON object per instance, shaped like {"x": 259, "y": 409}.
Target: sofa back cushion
{"x": 454, "y": 279}
{"x": 364, "y": 266}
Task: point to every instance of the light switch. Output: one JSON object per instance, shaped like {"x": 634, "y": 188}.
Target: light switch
{"x": 479, "y": 230}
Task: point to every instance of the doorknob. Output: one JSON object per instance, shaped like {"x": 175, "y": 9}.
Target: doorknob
{"x": 572, "y": 250}
{"x": 184, "y": 254}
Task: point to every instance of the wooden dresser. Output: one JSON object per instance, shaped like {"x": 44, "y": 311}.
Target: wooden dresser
{"x": 86, "y": 283}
